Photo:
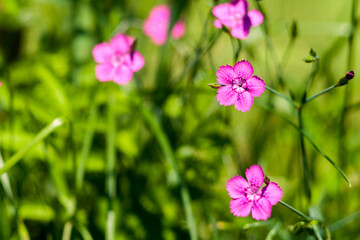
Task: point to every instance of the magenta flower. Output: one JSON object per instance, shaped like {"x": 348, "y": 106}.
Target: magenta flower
{"x": 157, "y": 24}
{"x": 238, "y": 86}
{"x": 117, "y": 61}
{"x": 247, "y": 196}
{"x": 235, "y": 15}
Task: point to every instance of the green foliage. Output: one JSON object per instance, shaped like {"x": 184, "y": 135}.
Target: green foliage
{"x": 150, "y": 160}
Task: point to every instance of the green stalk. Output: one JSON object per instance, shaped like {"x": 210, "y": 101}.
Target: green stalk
{"x": 110, "y": 168}
{"x": 321, "y": 93}
{"x": 303, "y": 157}
{"x": 40, "y": 136}
{"x": 165, "y": 146}
{"x": 91, "y": 124}
{"x": 305, "y": 217}
{"x": 281, "y": 95}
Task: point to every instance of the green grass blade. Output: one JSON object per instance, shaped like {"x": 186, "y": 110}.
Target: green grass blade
{"x": 165, "y": 146}
{"x": 40, "y": 136}
{"x": 86, "y": 147}
{"x": 273, "y": 231}
{"x": 343, "y": 222}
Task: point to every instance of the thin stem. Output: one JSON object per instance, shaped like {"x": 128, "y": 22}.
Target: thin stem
{"x": 281, "y": 95}
{"x": 110, "y": 169}
{"x": 321, "y": 93}
{"x": 303, "y": 157}
{"x": 307, "y": 218}
{"x": 40, "y": 136}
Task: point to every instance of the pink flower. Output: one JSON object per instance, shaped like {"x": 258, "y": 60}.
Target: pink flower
{"x": 157, "y": 24}
{"x": 235, "y": 15}
{"x": 247, "y": 196}
{"x": 238, "y": 86}
{"x": 117, "y": 60}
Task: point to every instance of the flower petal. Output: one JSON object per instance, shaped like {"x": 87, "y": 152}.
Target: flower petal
{"x": 217, "y": 23}
{"x": 241, "y": 29}
{"x": 239, "y": 7}
{"x": 226, "y": 96}
{"x": 255, "y": 176}
{"x": 240, "y": 207}
{"x": 261, "y": 209}
{"x": 273, "y": 193}
{"x": 102, "y": 52}
{"x": 178, "y": 30}
{"x": 122, "y": 75}
{"x": 236, "y": 187}
{"x": 221, "y": 11}
{"x": 256, "y": 17}
{"x": 225, "y": 75}
{"x": 243, "y": 69}
{"x": 157, "y": 24}
{"x": 244, "y": 101}
{"x": 104, "y": 72}
{"x": 255, "y": 86}
{"x": 120, "y": 44}
{"x": 136, "y": 61}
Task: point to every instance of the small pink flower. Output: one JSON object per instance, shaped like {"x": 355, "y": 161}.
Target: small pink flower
{"x": 235, "y": 15}
{"x": 117, "y": 61}
{"x": 157, "y": 24}
{"x": 247, "y": 196}
{"x": 238, "y": 86}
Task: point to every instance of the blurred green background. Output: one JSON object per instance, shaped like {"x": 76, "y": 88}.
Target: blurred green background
{"x": 165, "y": 131}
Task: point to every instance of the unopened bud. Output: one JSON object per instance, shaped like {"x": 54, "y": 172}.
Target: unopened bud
{"x": 214, "y": 85}
{"x": 266, "y": 180}
{"x": 350, "y": 75}
{"x": 345, "y": 80}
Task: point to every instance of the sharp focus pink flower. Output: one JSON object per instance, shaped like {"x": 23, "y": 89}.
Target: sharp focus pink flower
{"x": 157, "y": 24}
{"x": 238, "y": 86}
{"x": 117, "y": 61}
{"x": 248, "y": 196}
{"x": 235, "y": 15}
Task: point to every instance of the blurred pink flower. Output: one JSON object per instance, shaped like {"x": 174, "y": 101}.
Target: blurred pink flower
{"x": 157, "y": 24}
{"x": 235, "y": 15}
{"x": 238, "y": 86}
{"x": 117, "y": 61}
{"x": 247, "y": 196}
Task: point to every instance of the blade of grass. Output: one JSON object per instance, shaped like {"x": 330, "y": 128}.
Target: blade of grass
{"x": 110, "y": 168}
{"x": 343, "y": 222}
{"x": 316, "y": 231}
{"x": 67, "y": 231}
{"x": 40, "y": 136}
{"x": 165, "y": 146}
{"x": 273, "y": 231}
{"x": 91, "y": 124}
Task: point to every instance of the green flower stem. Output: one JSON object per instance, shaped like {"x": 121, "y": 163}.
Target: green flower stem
{"x": 110, "y": 168}
{"x": 307, "y": 218}
{"x": 40, "y": 136}
{"x": 164, "y": 143}
{"x": 303, "y": 156}
{"x": 321, "y": 93}
{"x": 281, "y": 95}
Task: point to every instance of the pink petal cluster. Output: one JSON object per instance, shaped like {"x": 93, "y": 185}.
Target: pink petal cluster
{"x": 248, "y": 196}
{"x": 117, "y": 61}
{"x": 235, "y": 15}
{"x": 238, "y": 86}
{"x": 156, "y": 26}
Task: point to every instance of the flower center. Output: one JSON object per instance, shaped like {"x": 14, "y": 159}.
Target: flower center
{"x": 252, "y": 193}
{"x": 118, "y": 60}
{"x": 239, "y": 85}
